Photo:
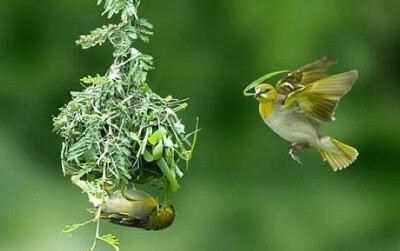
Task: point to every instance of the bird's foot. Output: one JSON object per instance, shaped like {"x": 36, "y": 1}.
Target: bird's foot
{"x": 295, "y": 148}
{"x": 294, "y": 157}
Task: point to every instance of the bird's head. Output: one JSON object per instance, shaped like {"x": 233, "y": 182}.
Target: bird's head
{"x": 162, "y": 218}
{"x": 264, "y": 92}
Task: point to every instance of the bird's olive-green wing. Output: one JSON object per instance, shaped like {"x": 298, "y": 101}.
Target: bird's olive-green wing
{"x": 304, "y": 76}
{"x": 129, "y": 203}
{"x": 135, "y": 195}
{"x": 319, "y": 99}
{"x": 140, "y": 204}
{"x": 127, "y": 221}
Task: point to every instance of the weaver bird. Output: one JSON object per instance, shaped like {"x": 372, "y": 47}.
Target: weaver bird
{"x": 135, "y": 208}
{"x": 300, "y": 102}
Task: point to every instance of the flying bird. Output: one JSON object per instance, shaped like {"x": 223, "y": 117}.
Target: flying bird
{"x": 302, "y": 100}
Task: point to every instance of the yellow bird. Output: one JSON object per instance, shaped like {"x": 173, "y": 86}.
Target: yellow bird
{"x": 300, "y": 102}
{"x": 135, "y": 208}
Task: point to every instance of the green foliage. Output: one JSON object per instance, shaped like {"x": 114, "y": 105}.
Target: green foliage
{"x": 111, "y": 240}
{"x": 94, "y": 80}
{"x": 128, "y": 8}
{"x": 96, "y": 37}
{"x": 117, "y": 131}
{"x": 71, "y": 228}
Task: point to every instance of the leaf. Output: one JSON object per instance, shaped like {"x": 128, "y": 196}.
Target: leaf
{"x": 176, "y": 168}
{"x": 71, "y": 228}
{"x": 169, "y": 174}
{"x": 148, "y": 156}
{"x": 94, "y": 80}
{"x": 144, "y": 141}
{"x": 158, "y": 150}
{"x": 168, "y": 142}
{"x": 179, "y": 127}
{"x": 134, "y": 137}
{"x": 157, "y": 135}
{"x": 111, "y": 240}
{"x": 96, "y": 37}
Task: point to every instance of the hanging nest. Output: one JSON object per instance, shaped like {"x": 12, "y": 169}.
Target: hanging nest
{"x": 118, "y": 133}
{"x": 124, "y": 133}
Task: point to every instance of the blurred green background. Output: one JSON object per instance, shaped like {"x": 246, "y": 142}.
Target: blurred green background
{"x": 243, "y": 192}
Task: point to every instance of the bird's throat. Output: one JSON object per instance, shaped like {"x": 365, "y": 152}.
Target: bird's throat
{"x": 268, "y": 104}
{"x": 266, "y": 108}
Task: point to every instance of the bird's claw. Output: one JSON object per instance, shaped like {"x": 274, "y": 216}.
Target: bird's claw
{"x": 294, "y": 157}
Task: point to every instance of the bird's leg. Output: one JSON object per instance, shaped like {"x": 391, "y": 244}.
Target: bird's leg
{"x": 295, "y": 148}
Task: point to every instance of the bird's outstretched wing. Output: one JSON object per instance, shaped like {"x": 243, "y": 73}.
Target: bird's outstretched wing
{"x": 319, "y": 99}
{"x": 304, "y": 76}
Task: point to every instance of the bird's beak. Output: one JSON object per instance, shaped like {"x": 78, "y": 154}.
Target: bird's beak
{"x": 257, "y": 94}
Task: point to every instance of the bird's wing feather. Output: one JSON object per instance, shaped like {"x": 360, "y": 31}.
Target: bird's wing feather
{"x": 319, "y": 99}
{"x": 126, "y": 221}
{"x": 304, "y": 75}
{"x": 135, "y": 195}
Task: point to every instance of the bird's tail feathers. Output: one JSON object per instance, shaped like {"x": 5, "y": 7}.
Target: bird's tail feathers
{"x": 338, "y": 154}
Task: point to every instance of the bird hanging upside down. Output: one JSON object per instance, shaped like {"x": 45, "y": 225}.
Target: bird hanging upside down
{"x": 300, "y": 102}
{"x": 135, "y": 208}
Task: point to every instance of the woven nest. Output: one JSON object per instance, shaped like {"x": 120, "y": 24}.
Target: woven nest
{"x": 127, "y": 134}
